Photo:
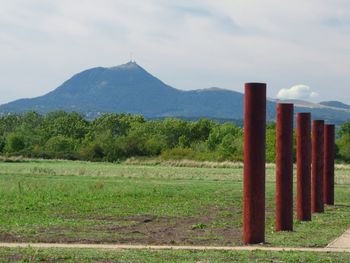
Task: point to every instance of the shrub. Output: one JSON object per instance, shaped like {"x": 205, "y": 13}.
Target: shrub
{"x": 15, "y": 143}
{"x": 61, "y": 147}
{"x": 155, "y": 145}
{"x": 343, "y": 147}
{"x": 92, "y": 152}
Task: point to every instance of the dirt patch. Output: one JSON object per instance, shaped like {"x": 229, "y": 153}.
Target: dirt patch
{"x": 144, "y": 229}
{"x": 11, "y": 237}
{"x": 24, "y": 258}
{"x": 165, "y": 230}
{"x": 14, "y": 258}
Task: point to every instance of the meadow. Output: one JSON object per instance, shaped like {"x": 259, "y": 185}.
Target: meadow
{"x": 147, "y": 203}
{"x": 163, "y": 256}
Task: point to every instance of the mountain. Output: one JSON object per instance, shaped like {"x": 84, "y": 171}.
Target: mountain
{"x": 333, "y": 114}
{"x": 131, "y": 89}
{"x": 335, "y": 104}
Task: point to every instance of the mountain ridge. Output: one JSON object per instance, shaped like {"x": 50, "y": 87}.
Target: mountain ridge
{"x": 335, "y": 104}
{"x": 129, "y": 88}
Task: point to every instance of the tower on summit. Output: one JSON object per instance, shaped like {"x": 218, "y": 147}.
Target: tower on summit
{"x": 132, "y": 60}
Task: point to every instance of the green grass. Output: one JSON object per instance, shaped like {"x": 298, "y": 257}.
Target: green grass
{"x": 61, "y": 201}
{"x": 88, "y": 255}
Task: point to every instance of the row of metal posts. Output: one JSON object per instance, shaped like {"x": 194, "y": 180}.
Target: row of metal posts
{"x": 315, "y": 187}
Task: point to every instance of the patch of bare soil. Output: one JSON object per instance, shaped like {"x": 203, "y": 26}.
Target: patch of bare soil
{"x": 180, "y": 231}
{"x": 146, "y": 229}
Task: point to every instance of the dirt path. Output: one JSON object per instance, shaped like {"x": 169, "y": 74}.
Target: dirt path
{"x": 120, "y": 247}
{"x": 341, "y": 244}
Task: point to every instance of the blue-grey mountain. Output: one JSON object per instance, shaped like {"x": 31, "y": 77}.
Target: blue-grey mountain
{"x": 335, "y": 104}
{"x": 131, "y": 89}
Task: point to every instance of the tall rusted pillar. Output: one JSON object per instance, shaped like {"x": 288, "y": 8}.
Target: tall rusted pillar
{"x": 304, "y": 166}
{"x": 254, "y": 163}
{"x": 284, "y": 167}
{"x": 317, "y": 166}
{"x": 328, "y": 175}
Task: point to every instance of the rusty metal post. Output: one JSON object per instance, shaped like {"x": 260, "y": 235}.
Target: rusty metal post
{"x": 254, "y": 163}
{"x": 328, "y": 176}
{"x": 317, "y": 166}
{"x": 284, "y": 167}
{"x": 304, "y": 166}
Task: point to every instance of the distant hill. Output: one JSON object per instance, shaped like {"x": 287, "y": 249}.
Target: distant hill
{"x": 131, "y": 89}
{"x": 335, "y": 104}
{"x": 333, "y": 114}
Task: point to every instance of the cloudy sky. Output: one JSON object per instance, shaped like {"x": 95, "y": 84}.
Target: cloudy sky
{"x": 189, "y": 44}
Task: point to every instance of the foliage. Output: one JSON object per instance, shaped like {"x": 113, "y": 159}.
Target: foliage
{"x": 271, "y": 143}
{"x": 343, "y": 143}
{"x": 114, "y": 137}
{"x": 14, "y": 143}
{"x": 61, "y": 147}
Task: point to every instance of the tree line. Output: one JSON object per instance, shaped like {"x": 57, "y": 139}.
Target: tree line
{"x": 115, "y": 137}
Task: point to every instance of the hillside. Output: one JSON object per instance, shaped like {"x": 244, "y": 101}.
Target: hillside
{"x": 131, "y": 89}
{"x": 335, "y": 104}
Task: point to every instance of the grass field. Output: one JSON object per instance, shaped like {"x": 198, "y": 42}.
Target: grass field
{"x": 87, "y": 255}
{"x": 61, "y": 201}
{"x": 58, "y": 201}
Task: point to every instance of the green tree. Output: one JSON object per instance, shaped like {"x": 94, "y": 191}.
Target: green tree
{"x": 9, "y": 123}
{"x": 219, "y": 132}
{"x": 200, "y": 130}
{"x": 271, "y": 143}
{"x": 173, "y": 129}
{"x": 155, "y": 144}
{"x": 92, "y": 152}
{"x": 61, "y": 147}
{"x": 15, "y": 143}
{"x": 343, "y": 146}
{"x": 69, "y": 125}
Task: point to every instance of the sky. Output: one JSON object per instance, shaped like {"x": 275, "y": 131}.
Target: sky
{"x": 301, "y": 49}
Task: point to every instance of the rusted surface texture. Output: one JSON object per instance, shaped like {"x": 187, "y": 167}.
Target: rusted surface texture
{"x": 284, "y": 167}
{"x": 303, "y": 204}
{"x": 254, "y": 163}
{"x": 328, "y": 175}
{"x": 317, "y": 165}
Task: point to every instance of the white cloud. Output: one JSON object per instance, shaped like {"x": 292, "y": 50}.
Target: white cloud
{"x": 187, "y": 43}
{"x": 297, "y": 92}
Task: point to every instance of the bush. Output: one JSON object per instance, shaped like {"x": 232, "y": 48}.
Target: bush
{"x": 114, "y": 137}
{"x": 61, "y": 147}
{"x": 92, "y": 152}
{"x": 343, "y": 147}
{"x": 155, "y": 145}
{"x": 218, "y": 134}
{"x": 15, "y": 143}
{"x": 271, "y": 144}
